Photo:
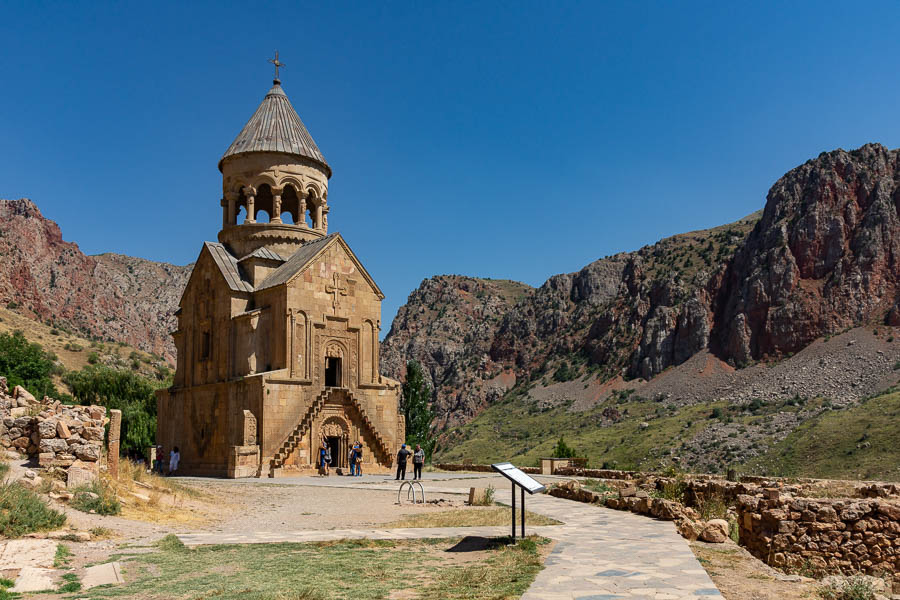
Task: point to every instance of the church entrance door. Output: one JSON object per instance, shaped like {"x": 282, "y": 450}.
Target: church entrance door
{"x": 332, "y": 372}
{"x": 334, "y": 444}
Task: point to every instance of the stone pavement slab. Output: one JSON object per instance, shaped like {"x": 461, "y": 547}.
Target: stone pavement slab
{"x": 17, "y": 554}
{"x": 34, "y": 579}
{"x": 105, "y": 574}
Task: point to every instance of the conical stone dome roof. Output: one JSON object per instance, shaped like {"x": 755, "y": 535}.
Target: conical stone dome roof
{"x": 276, "y": 127}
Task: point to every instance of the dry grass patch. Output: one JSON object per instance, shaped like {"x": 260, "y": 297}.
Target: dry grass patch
{"x": 741, "y": 576}
{"x": 149, "y": 497}
{"x": 469, "y": 517}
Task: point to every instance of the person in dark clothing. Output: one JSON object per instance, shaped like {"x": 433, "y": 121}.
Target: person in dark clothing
{"x": 418, "y": 461}
{"x": 401, "y": 462}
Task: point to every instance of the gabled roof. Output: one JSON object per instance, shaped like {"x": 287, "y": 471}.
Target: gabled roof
{"x": 228, "y": 265}
{"x": 302, "y": 258}
{"x": 263, "y": 253}
{"x": 276, "y": 127}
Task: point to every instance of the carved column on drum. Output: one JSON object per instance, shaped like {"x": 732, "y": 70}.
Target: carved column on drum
{"x": 112, "y": 456}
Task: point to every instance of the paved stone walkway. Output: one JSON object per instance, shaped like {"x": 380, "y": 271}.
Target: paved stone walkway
{"x": 600, "y": 554}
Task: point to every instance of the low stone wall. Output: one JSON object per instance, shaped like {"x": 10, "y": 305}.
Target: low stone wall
{"x": 480, "y": 468}
{"x": 64, "y": 437}
{"x": 849, "y": 535}
{"x": 598, "y": 473}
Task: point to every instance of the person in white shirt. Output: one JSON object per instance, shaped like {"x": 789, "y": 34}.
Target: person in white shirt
{"x": 174, "y": 457}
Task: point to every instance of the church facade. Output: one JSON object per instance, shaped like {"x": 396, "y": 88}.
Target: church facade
{"x": 278, "y": 325}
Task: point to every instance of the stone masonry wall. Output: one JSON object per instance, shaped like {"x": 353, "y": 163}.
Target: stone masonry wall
{"x": 61, "y": 436}
{"x": 850, "y": 535}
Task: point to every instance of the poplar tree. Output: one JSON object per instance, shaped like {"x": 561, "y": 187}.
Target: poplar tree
{"x": 415, "y": 404}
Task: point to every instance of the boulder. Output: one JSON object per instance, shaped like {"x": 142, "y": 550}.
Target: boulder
{"x": 62, "y": 430}
{"x": 20, "y": 393}
{"x": 22, "y": 442}
{"x": 689, "y": 529}
{"x": 716, "y": 531}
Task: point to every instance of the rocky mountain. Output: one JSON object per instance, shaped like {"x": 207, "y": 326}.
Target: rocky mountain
{"x": 108, "y": 296}
{"x": 822, "y": 257}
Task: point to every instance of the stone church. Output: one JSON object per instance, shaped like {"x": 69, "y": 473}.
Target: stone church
{"x": 278, "y": 325}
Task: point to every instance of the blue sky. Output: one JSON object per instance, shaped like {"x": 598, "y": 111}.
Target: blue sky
{"x": 498, "y": 139}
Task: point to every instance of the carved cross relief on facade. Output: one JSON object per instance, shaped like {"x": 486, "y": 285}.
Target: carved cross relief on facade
{"x": 338, "y": 290}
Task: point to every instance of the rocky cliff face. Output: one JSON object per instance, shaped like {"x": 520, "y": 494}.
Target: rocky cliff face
{"x": 108, "y": 296}
{"x": 822, "y": 257}
{"x": 448, "y": 324}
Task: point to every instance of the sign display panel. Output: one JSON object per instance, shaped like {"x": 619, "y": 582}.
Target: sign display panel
{"x": 518, "y": 477}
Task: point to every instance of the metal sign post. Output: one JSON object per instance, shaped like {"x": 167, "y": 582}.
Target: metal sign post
{"x": 525, "y": 483}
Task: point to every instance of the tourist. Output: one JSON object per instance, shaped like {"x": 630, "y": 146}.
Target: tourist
{"x": 353, "y": 460}
{"x": 418, "y": 461}
{"x": 359, "y": 457}
{"x": 401, "y": 462}
{"x": 324, "y": 459}
{"x": 158, "y": 460}
{"x": 174, "y": 458}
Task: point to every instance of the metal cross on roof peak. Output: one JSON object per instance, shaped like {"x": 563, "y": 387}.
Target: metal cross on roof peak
{"x": 277, "y": 64}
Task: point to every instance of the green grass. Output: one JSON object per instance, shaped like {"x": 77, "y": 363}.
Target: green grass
{"x": 63, "y": 556}
{"x": 515, "y": 430}
{"x": 4, "y": 469}
{"x": 22, "y": 511}
{"x": 70, "y": 584}
{"x": 340, "y": 569}
{"x": 5, "y": 594}
{"x": 857, "y": 443}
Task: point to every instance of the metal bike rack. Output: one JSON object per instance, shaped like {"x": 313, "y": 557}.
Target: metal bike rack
{"x": 411, "y": 491}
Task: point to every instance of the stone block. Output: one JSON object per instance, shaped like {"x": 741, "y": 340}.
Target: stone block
{"x": 45, "y": 459}
{"x": 93, "y": 433}
{"x": 62, "y": 430}
{"x": 78, "y": 476}
{"x": 86, "y": 452}
{"x": 54, "y": 445}
{"x": 46, "y": 429}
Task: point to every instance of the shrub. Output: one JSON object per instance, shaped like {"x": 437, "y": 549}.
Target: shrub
{"x": 713, "y": 507}
{"x": 97, "y": 497}
{"x": 26, "y": 364}
{"x": 852, "y": 588}
{"x": 123, "y": 390}
{"x": 563, "y": 450}
{"x": 22, "y": 511}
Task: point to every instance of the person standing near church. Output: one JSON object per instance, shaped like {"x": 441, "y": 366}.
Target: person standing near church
{"x": 353, "y": 460}
{"x": 174, "y": 458}
{"x": 323, "y": 459}
{"x": 418, "y": 462}
{"x": 359, "y": 457}
{"x": 401, "y": 462}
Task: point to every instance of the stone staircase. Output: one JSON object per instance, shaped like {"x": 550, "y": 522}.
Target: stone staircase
{"x": 372, "y": 430}
{"x": 290, "y": 444}
{"x": 293, "y": 439}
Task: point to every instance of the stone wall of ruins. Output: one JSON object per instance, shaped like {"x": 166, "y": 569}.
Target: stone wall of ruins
{"x": 59, "y": 435}
{"x": 848, "y": 535}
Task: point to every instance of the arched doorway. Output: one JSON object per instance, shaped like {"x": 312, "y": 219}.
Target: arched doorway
{"x": 336, "y": 434}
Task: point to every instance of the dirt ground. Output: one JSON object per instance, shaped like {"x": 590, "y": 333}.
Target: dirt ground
{"x": 740, "y": 576}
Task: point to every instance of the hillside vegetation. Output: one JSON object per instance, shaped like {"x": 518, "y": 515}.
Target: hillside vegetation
{"x": 862, "y": 442}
